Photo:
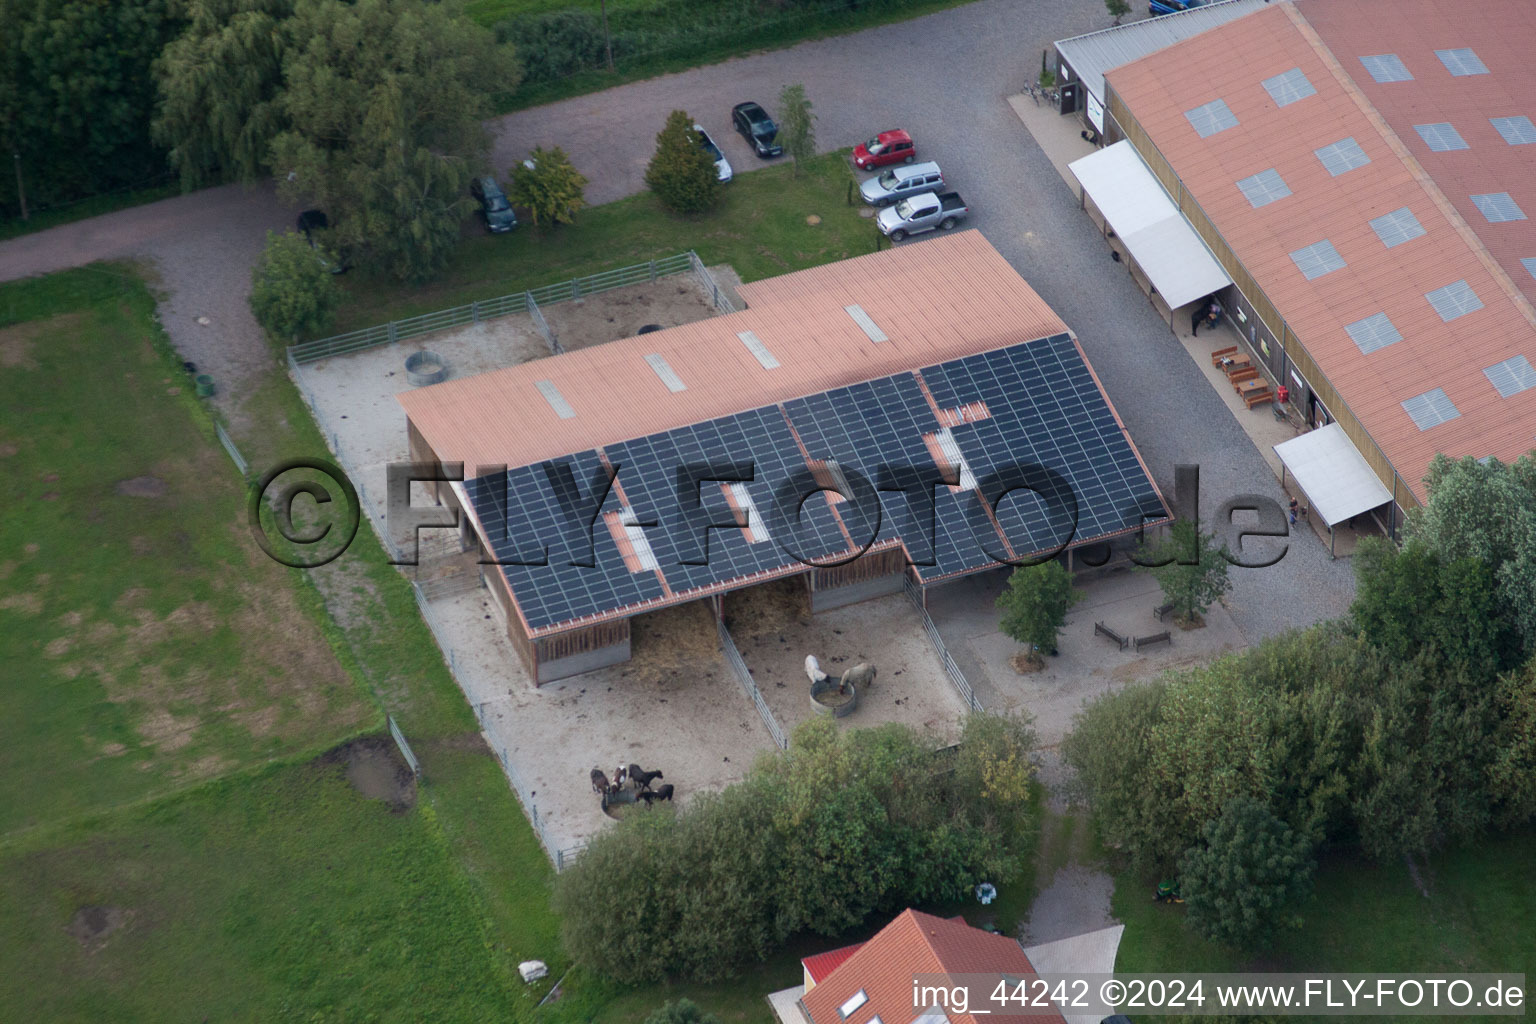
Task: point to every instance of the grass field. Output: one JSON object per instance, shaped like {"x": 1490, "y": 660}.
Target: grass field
{"x": 152, "y": 644}
{"x": 760, "y": 228}
{"x": 285, "y": 886}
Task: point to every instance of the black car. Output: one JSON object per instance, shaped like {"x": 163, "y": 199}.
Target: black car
{"x": 753, "y": 122}
{"x": 311, "y": 221}
{"x": 493, "y": 205}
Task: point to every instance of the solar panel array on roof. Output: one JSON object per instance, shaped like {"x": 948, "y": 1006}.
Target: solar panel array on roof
{"x": 1461, "y": 62}
{"x": 1264, "y": 188}
{"x": 1498, "y": 207}
{"x": 1454, "y": 300}
{"x": 1030, "y": 404}
{"x": 1442, "y": 136}
{"x": 1517, "y": 131}
{"x": 1317, "y": 259}
{"x": 1386, "y": 67}
{"x": 1397, "y": 227}
{"x": 1430, "y": 409}
{"x": 1341, "y": 156}
{"x": 1210, "y": 118}
{"x": 1288, "y": 87}
{"x": 1374, "y": 332}
{"x": 1512, "y": 376}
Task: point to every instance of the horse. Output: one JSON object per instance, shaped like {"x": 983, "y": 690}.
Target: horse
{"x": 662, "y": 793}
{"x": 600, "y": 782}
{"x": 642, "y": 778}
{"x": 861, "y": 677}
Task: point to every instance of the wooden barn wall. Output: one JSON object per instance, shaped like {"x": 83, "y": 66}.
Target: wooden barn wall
{"x": 580, "y": 641}
{"x": 869, "y": 567}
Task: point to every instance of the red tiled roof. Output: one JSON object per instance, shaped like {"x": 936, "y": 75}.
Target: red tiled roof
{"x": 1230, "y": 62}
{"x": 917, "y": 943}
{"x": 950, "y": 297}
{"x": 823, "y": 964}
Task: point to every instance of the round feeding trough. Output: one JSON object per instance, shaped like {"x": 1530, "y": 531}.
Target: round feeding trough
{"x": 204, "y": 385}
{"x": 425, "y": 368}
{"x": 826, "y": 699}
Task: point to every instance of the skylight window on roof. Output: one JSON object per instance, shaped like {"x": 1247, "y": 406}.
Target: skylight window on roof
{"x": 1454, "y": 300}
{"x": 1386, "y": 67}
{"x": 1264, "y": 188}
{"x": 1341, "y": 156}
{"x": 664, "y": 370}
{"x": 1517, "y": 131}
{"x": 1431, "y": 409}
{"x": 1441, "y": 137}
{"x": 1374, "y": 332}
{"x": 1499, "y": 207}
{"x": 758, "y": 349}
{"x": 1289, "y": 87}
{"x": 1317, "y": 259}
{"x": 1397, "y": 227}
{"x": 866, "y": 324}
{"x": 555, "y": 399}
{"x": 1529, "y": 263}
{"x": 1512, "y": 376}
{"x": 851, "y": 1007}
{"x": 1461, "y": 62}
{"x": 1210, "y": 118}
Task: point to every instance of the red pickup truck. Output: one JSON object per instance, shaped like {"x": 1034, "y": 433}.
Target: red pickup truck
{"x": 893, "y": 147}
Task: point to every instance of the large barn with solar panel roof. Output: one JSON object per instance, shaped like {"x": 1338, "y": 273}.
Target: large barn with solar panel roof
{"x": 933, "y": 413}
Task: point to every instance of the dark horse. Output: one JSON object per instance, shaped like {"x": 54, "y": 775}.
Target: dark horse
{"x": 600, "y": 782}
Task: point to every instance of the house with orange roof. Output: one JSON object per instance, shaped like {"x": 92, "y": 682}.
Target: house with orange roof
{"x": 1357, "y": 190}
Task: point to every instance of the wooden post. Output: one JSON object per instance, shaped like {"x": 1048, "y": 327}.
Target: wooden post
{"x": 607, "y": 39}
{"x": 21, "y": 191}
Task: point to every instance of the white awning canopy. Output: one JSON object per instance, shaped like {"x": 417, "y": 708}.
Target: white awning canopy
{"x": 1330, "y": 469}
{"x": 1132, "y": 200}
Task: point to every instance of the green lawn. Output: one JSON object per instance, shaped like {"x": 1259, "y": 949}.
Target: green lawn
{"x": 95, "y": 206}
{"x": 760, "y": 228}
{"x": 148, "y": 643}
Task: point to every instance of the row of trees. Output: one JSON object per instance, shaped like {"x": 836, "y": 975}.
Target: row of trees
{"x": 1408, "y": 726}
{"x": 844, "y": 825}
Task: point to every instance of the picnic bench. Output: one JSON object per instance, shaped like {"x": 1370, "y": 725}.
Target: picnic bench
{"x": 1099, "y": 629}
{"x": 1242, "y": 376}
{"x": 1156, "y": 638}
{"x": 1222, "y": 354}
{"x": 1258, "y": 397}
{"x": 1162, "y": 610}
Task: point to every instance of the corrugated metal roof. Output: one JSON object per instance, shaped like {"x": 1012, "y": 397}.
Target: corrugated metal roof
{"x": 1374, "y": 379}
{"x": 1096, "y": 53}
{"x": 946, "y": 298}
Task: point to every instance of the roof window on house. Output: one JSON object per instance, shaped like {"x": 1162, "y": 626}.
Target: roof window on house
{"x": 1397, "y": 227}
{"x": 851, "y": 1006}
{"x": 1517, "y": 131}
{"x": 1341, "y": 156}
{"x": 758, "y": 349}
{"x": 1374, "y": 332}
{"x": 1264, "y": 188}
{"x": 866, "y": 324}
{"x": 1512, "y": 376}
{"x": 1317, "y": 259}
{"x": 1442, "y": 137}
{"x": 1210, "y": 118}
{"x": 1430, "y": 409}
{"x": 1499, "y": 207}
{"x": 1454, "y": 300}
{"x": 1461, "y": 62}
{"x": 664, "y": 370}
{"x": 1529, "y": 263}
{"x": 1386, "y": 67}
{"x": 1288, "y": 87}
{"x": 555, "y": 399}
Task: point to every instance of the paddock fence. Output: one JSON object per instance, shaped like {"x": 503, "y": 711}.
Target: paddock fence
{"x": 957, "y": 677}
{"x": 744, "y": 677}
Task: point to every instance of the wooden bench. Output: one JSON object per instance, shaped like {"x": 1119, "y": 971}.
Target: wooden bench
{"x": 1220, "y": 354}
{"x": 1156, "y": 638}
{"x": 1246, "y": 373}
{"x": 1259, "y": 398}
{"x": 1162, "y": 610}
{"x": 1100, "y": 629}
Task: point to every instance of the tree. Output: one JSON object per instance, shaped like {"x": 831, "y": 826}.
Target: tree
{"x": 1117, "y": 8}
{"x": 551, "y": 189}
{"x": 1512, "y": 769}
{"x": 1035, "y": 605}
{"x": 797, "y": 125}
{"x": 682, "y": 173}
{"x": 684, "y": 1011}
{"x": 1189, "y": 567}
{"x": 1245, "y": 879}
{"x": 292, "y": 292}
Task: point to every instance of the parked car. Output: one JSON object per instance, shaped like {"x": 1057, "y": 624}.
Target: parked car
{"x": 722, "y": 165}
{"x": 901, "y": 182}
{"x": 920, "y": 213}
{"x": 311, "y": 221}
{"x": 893, "y": 147}
{"x": 1175, "y": 6}
{"x": 754, "y": 124}
{"x": 494, "y": 207}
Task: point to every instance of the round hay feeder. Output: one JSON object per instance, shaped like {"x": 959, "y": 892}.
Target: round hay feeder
{"x": 422, "y": 368}
{"x": 826, "y": 700}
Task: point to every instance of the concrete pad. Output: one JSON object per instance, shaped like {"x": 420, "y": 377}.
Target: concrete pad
{"x": 1087, "y": 665}
{"x": 786, "y": 1005}
{"x": 1090, "y": 953}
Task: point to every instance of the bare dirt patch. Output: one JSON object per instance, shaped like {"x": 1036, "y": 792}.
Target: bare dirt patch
{"x": 92, "y": 925}
{"x": 26, "y": 604}
{"x": 375, "y": 769}
{"x": 673, "y": 640}
{"x": 142, "y": 487}
{"x": 620, "y": 313}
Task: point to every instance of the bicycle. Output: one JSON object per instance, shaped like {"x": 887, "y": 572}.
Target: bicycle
{"x": 1034, "y": 92}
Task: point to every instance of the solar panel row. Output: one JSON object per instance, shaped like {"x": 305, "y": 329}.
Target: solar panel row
{"x": 1035, "y": 419}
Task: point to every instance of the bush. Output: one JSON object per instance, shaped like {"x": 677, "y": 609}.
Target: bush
{"x": 843, "y": 825}
{"x": 682, "y": 174}
{"x": 1247, "y": 877}
{"x": 554, "y": 45}
{"x": 684, "y": 1011}
{"x": 292, "y": 291}
{"x": 552, "y": 190}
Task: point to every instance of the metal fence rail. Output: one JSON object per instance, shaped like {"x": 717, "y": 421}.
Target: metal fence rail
{"x": 234, "y": 453}
{"x": 915, "y": 593}
{"x": 504, "y": 305}
{"x": 405, "y": 748}
{"x": 561, "y": 856}
{"x": 542, "y": 325}
{"x": 707, "y": 281}
{"x": 744, "y": 677}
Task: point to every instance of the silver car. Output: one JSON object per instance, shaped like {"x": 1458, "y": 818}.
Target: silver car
{"x": 899, "y": 182}
{"x": 722, "y": 165}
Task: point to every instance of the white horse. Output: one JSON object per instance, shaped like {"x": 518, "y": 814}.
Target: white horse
{"x": 861, "y": 677}
{"x": 813, "y": 669}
